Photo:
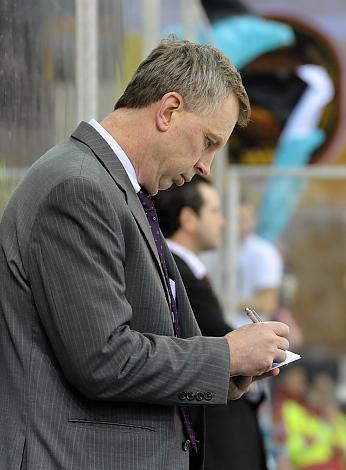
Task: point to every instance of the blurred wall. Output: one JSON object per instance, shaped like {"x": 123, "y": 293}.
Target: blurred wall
{"x": 37, "y": 75}
{"x": 38, "y": 99}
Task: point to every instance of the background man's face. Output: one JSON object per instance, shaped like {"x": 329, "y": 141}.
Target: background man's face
{"x": 210, "y": 220}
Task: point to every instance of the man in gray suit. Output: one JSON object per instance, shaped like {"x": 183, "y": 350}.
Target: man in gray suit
{"x": 101, "y": 359}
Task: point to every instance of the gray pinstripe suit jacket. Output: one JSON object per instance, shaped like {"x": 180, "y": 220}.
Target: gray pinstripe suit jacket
{"x": 90, "y": 371}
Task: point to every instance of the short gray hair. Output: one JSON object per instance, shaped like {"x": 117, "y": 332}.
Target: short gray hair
{"x": 202, "y": 74}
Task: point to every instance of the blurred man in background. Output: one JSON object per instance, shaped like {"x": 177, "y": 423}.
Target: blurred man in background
{"x": 259, "y": 268}
{"x": 191, "y": 220}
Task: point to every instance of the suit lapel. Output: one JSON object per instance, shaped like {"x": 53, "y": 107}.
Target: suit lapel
{"x": 103, "y": 152}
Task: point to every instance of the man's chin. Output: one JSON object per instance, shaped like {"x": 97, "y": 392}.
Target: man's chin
{"x": 179, "y": 181}
{"x": 165, "y": 185}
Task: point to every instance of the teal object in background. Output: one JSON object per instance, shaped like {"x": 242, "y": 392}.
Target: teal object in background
{"x": 243, "y": 38}
{"x": 282, "y": 194}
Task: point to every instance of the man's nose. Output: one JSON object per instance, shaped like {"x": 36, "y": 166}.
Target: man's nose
{"x": 202, "y": 169}
{"x": 203, "y": 166}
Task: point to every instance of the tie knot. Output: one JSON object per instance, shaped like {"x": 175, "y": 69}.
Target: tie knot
{"x": 146, "y": 200}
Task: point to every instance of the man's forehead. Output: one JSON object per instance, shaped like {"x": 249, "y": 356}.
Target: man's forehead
{"x": 208, "y": 191}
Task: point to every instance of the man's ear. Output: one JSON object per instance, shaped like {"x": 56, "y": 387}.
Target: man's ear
{"x": 188, "y": 219}
{"x": 169, "y": 104}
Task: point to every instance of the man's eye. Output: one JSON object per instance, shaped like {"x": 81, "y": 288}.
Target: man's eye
{"x": 207, "y": 143}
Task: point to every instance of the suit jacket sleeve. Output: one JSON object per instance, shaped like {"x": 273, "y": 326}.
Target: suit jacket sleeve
{"x": 77, "y": 275}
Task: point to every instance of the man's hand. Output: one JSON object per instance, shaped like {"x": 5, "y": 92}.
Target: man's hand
{"x": 253, "y": 348}
{"x": 238, "y": 386}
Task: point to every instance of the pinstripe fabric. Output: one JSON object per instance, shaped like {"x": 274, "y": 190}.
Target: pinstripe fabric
{"x": 90, "y": 370}
{"x": 152, "y": 217}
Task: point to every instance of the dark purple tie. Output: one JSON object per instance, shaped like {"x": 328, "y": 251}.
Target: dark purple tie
{"x": 151, "y": 214}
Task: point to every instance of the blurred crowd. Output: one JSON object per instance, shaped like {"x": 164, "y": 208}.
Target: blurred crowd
{"x": 308, "y": 422}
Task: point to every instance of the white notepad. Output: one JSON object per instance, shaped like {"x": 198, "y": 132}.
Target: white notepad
{"x": 290, "y": 357}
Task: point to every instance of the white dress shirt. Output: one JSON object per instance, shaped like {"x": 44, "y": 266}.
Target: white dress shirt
{"x": 119, "y": 152}
{"x": 190, "y": 258}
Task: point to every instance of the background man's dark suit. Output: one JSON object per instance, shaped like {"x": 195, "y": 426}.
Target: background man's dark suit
{"x": 233, "y": 439}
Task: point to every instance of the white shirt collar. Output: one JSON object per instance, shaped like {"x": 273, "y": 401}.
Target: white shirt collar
{"x": 119, "y": 152}
{"x": 192, "y": 260}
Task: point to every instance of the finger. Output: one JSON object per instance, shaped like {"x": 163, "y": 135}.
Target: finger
{"x": 280, "y": 356}
{"x": 283, "y": 343}
{"x": 270, "y": 373}
{"x": 238, "y": 385}
{"x": 242, "y": 382}
{"x": 281, "y": 329}
{"x": 233, "y": 391}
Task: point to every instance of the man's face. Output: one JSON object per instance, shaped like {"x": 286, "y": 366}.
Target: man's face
{"x": 209, "y": 221}
{"x": 191, "y": 143}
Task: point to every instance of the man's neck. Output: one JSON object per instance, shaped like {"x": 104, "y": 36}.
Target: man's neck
{"x": 189, "y": 257}
{"x": 185, "y": 241}
{"x": 124, "y": 125}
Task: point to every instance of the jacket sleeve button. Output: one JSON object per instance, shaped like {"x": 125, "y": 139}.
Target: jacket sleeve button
{"x": 199, "y": 396}
{"x": 186, "y": 445}
{"x": 208, "y": 396}
{"x": 182, "y": 395}
{"x": 190, "y": 396}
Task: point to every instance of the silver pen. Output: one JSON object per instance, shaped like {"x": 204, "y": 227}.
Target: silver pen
{"x": 253, "y": 315}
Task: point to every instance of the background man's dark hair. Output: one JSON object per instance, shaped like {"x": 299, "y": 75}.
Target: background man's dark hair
{"x": 170, "y": 203}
